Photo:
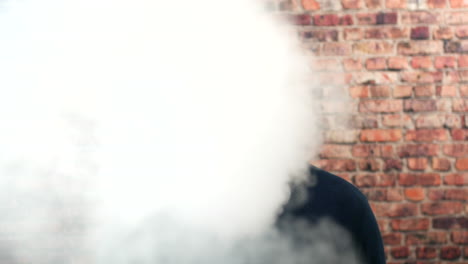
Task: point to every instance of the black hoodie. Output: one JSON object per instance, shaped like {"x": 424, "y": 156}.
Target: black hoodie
{"x": 335, "y": 198}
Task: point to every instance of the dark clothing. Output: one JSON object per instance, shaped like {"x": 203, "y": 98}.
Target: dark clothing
{"x": 335, "y": 198}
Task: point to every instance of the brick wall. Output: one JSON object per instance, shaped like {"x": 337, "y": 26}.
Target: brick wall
{"x": 404, "y": 63}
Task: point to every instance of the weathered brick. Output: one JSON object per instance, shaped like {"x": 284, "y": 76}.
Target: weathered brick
{"x": 376, "y": 63}
{"x": 452, "y": 120}
{"x": 335, "y": 151}
{"x": 456, "y": 179}
{"x": 301, "y": 19}
{"x": 440, "y": 164}
{"x": 364, "y": 151}
{"x": 415, "y": 150}
{"x": 374, "y": 180}
{"x": 397, "y": 63}
{"x": 363, "y": 121}
{"x": 420, "y": 33}
{"x": 422, "y": 47}
{"x": 382, "y": 194}
{"x": 460, "y": 46}
{"x": 366, "y": 19}
{"x": 346, "y": 20}
{"x": 325, "y": 65}
{"x": 450, "y": 252}
{"x": 352, "y": 64}
{"x": 373, "y": 47}
{"x": 386, "y": 33}
{"x": 419, "y": 179}
{"x": 421, "y": 17}
{"x": 336, "y": 49}
{"x": 458, "y": 3}
{"x": 436, "y": 3}
{"x": 351, "y": 4}
{"x": 395, "y": 4}
{"x": 446, "y": 90}
{"x": 450, "y": 222}
{"x": 436, "y": 194}
{"x": 461, "y": 164}
{"x": 429, "y": 121}
{"x": 460, "y": 105}
{"x": 353, "y": 33}
{"x": 336, "y": 164}
{"x": 326, "y": 20}
{"x": 396, "y": 120}
{"x": 369, "y": 165}
{"x": 393, "y": 164}
{"x": 380, "y": 106}
{"x": 421, "y": 62}
{"x": 394, "y": 209}
{"x": 414, "y": 194}
{"x": 442, "y": 208}
{"x": 443, "y": 33}
{"x": 424, "y": 91}
{"x": 341, "y": 136}
{"x": 420, "y": 105}
{"x": 310, "y": 4}
{"x": 442, "y": 62}
{"x": 464, "y": 90}
{"x": 400, "y": 252}
{"x": 426, "y": 252}
{"x": 459, "y": 237}
{"x": 429, "y": 238}
{"x": 456, "y": 150}
{"x": 461, "y": 32}
{"x": 426, "y": 135}
{"x": 417, "y": 163}
{"x": 460, "y": 134}
{"x": 386, "y": 18}
{"x": 422, "y": 76}
{"x": 373, "y": 4}
{"x": 392, "y": 238}
{"x": 456, "y": 194}
{"x": 454, "y": 18}
{"x": 319, "y": 35}
{"x": 368, "y": 77}
{"x": 410, "y": 224}
{"x": 402, "y": 91}
{"x": 380, "y": 135}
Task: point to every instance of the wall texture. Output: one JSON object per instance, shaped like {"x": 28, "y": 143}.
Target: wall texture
{"x": 404, "y": 63}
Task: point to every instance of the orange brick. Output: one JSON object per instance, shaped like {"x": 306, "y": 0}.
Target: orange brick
{"x": 380, "y": 135}
{"x": 376, "y": 64}
{"x": 402, "y": 91}
{"x": 397, "y": 63}
{"x": 426, "y": 135}
{"x": 462, "y": 164}
{"x": 417, "y": 163}
{"x": 395, "y": 4}
{"x": 443, "y": 33}
{"x": 414, "y": 194}
{"x": 424, "y": 91}
{"x": 441, "y": 164}
{"x": 421, "y": 62}
{"x": 310, "y": 4}
{"x": 446, "y": 91}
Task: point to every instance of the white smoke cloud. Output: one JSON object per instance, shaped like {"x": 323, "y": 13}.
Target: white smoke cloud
{"x": 132, "y": 130}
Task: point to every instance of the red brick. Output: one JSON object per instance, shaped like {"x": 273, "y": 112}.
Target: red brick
{"x": 376, "y": 63}
{"x": 335, "y": 151}
{"x": 374, "y": 180}
{"x": 424, "y": 91}
{"x": 393, "y": 164}
{"x": 436, "y": 194}
{"x": 366, "y": 19}
{"x": 427, "y": 135}
{"x": 400, "y": 252}
{"x": 319, "y": 35}
{"x": 446, "y": 91}
{"x": 456, "y": 194}
{"x": 397, "y": 63}
{"x": 392, "y": 238}
{"x": 415, "y": 150}
{"x": 402, "y": 91}
{"x": 456, "y": 46}
{"x": 336, "y": 165}
{"x": 374, "y": 194}
{"x": 459, "y": 237}
{"x": 443, "y": 33}
{"x": 386, "y": 33}
{"x": 461, "y": 32}
{"x": 462, "y": 164}
{"x": 380, "y": 106}
{"x": 369, "y": 165}
{"x": 442, "y": 62}
{"x": 420, "y": 105}
{"x": 442, "y": 208}
{"x": 346, "y": 20}
{"x": 421, "y": 17}
{"x": 460, "y": 105}
{"x": 360, "y": 91}
{"x": 336, "y": 49}
{"x": 395, "y": 4}
{"x": 380, "y": 135}
{"x": 379, "y": 91}
{"x": 310, "y": 4}
{"x": 301, "y": 19}
{"x": 458, "y": 3}
{"x": 429, "y": 238}
{"x": 456, "y": 150}
{"x": 368, "y": 77}
{"x": 440, "y": 164}
{"x": 394, "y": 209}
{"x": 365, "y": 151}
{"x": 421, "y": 62}
{"x": 460, "y": 134}
{"x": 353, "y": 34}
{"x": 456, "y": 179}
{"x": 386, "y": 18}
{"x": 411, "y": 224}
{"x": 414, "y": 194}
{"x": 420, "y": 33}
{"x": 465, "y": 252}
{"x": 464, "y": 90}
{"x": 341, "y": 136}
{"x": 417, "y": 163}
{"x": 436, "y": 3}
{"x": 426, "y": 253}
{"x": 373, "y": 47}
{"x": 429, "y": 121}
{"x": 352, "y": 64}
{"x": 450, "y": 222}
{"x": 421, "y": 76}
{"x": 450, "y": 252}
{"x": 423, "y": 179}
{"x": 396, "y": 120}
{"x": 423, "y": 47}
{"x": 351, "y": 4}
{"x": 326, "y": 20}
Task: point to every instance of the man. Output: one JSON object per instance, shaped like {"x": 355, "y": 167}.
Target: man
{"x": 329, "y": 196}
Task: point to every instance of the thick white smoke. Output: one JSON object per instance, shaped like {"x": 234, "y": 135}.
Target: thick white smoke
{"x": 147, "y": 130}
